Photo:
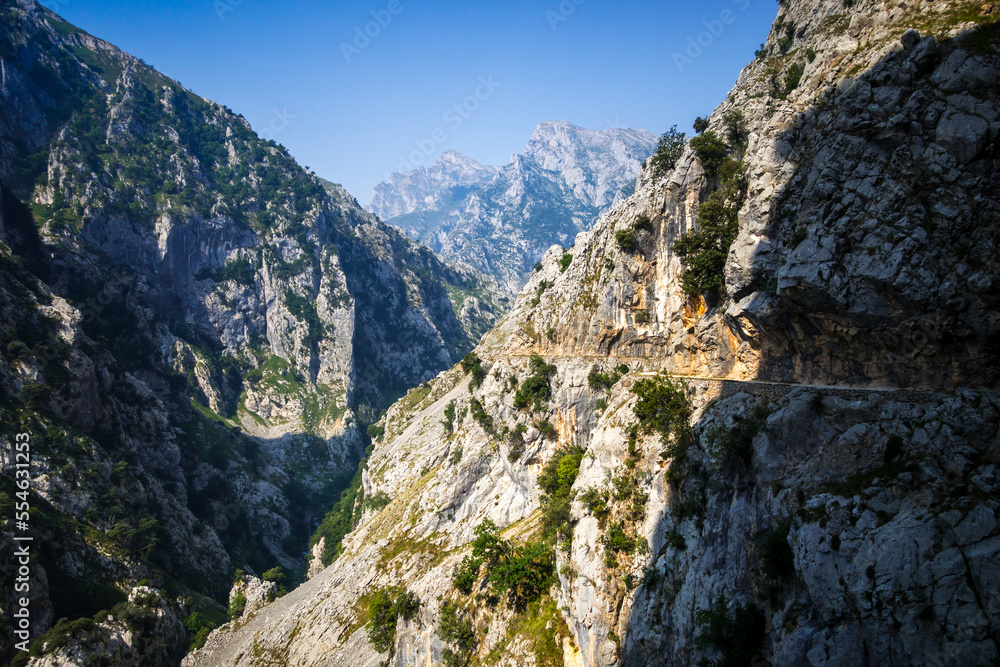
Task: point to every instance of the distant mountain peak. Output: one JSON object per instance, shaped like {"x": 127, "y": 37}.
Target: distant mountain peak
{"x": 502, "y": 219}
{"x": 424, "y": 187}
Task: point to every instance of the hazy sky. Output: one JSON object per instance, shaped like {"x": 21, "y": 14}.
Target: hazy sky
{"x": 428, "y": 76}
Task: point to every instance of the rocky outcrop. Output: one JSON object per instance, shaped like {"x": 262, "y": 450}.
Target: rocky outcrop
{"x": 797, "y": 522}
{"x": 502, "y": 223}
{"x": 252, "y": 594}
{"x": 145, "y": 630}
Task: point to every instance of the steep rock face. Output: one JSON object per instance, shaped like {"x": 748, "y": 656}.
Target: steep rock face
{"x": 196, "y": 330}
{"x": 800, "y": 523}
{"x": 861, "y": 243}
{"x": 554, "y": 189}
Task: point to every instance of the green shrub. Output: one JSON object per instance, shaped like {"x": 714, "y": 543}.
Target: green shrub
{"x": 525, "y": 576}
{"x": 711, "y": 151}
{"x": 516, "y": 442}
{"x": 239, "y": 271}
{"x": 597, "y": 380}
{"x": 539, "y": 291}
{"x": 596, "y": 501}
{"x": 643, "y": 223}
{"x": 556, "y": 482}
{"x": 200, "y": 624}
{"x": 775, "y": 555}
{"x": 626, "y": 240}
{"x": 535, "y": 390}
{"x": 378, "y": 501}
{"x": 663, "y": 408}
{"x": 521, "y": 573}
{"x": 737, "y": 132}
{"x": 35, "y": 395}
{"x": 17, "y": 350}
{"x": 375, "y": 431}
{"x": 481, "y": 417}
{"x": 449, "y": 418}
{"x": 642, "y": 317}
{"x": 456, "y": 629}
{"x": 618, "y": 541}
{"x": 700, "y": 124}
{"x": 793, "y": 76}
{"x": 304, "y": 310}
{"x": 668, "y": 151}
{"x": 736, "y": 636}
{"x": 236, "y": 606}
{"x": 564, "y": 262}
{"x": 560, "y": 472}
{"x": 675, "y": 540}
{"x": 384, "y": 610}
{"x": 473, "y": 365}
{"x": 277, "y": 575}
{"x": 546, "y": 428}
{"x": 466, "y": 574}
{"x": 706, "y": 248}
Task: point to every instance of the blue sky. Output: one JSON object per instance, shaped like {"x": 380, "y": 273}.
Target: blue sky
{"x": 355, "y": 107}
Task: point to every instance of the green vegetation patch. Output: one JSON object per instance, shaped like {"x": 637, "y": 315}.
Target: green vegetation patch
{"x": 536, "y": 390}
{"x": 457, "y": 630}
{"x": 662, "y": 407}
{"x": 668, "y": 151}
{"x": 384, "y": 611}
{"x": 730, "y": 638}
{"x": 706, "y": 248}
{"x": 519, "y": 573}
{"x": 598, "y": 380}
{"x": 472, "y": 365}
{"x": 556, "y": 482}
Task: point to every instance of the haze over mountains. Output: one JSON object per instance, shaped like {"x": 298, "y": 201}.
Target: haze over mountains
{"x": 502, "y": 220}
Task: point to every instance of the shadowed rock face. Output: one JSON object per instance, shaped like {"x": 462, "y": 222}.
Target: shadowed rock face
{"x": 501, "y": 220}
{"x": 805, "y": 524}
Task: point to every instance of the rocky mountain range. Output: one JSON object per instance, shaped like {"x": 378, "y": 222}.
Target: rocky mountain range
{"x": 197, "y": 335}
{"x": 429, "y": 191}
{"x": 750, "y": 417}
{"x": 501, "y": 221}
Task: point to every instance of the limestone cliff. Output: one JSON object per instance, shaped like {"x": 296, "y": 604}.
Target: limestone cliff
{"x": 817, "y": 485}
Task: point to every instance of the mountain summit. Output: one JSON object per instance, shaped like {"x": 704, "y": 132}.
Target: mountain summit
{"x": 429, "y": 189}
{"x": 501, "y": 221}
